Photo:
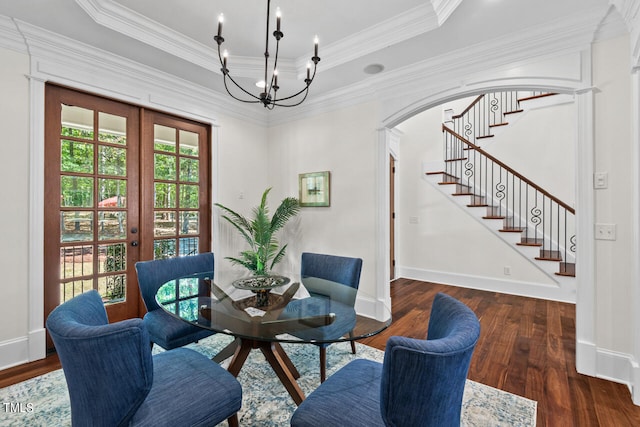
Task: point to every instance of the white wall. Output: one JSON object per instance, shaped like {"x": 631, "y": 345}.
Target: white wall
{"x": 240, "y": 171}
{"x": 342, "y": 142}
{"x": 14, "y": 175}
{"x": 541, "y": 145}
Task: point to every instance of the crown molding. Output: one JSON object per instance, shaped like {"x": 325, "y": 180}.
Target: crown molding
{"x": 630, "y": 12}
{"x": 444, "y": 9}
{"x": 10, "y": 37}
{"x": 398, "y": 28}
{"x": 121, "y": 19}
{"x": 67, "y": 61}
{"x": 558, "y": 37}
{"x": 403, "y": 26}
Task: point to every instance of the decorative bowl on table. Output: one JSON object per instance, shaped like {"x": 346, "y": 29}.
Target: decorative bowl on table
{"x": 261, "y": 286}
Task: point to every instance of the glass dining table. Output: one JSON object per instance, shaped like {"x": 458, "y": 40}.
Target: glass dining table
{"x": 312, "y": 310}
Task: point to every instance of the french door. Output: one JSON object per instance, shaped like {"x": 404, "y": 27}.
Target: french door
{"x": 122, "y": 184}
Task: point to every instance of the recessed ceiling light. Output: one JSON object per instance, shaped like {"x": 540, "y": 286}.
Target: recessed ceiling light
{"x": 374, "y": 68}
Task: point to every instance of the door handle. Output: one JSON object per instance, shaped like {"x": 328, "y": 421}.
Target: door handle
{"x": 134, "y": 243}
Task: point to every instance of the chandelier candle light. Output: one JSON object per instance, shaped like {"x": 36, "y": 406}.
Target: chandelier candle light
{"x": 269, "y": 96}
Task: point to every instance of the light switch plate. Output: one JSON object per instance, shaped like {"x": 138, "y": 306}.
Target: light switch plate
{"x": 600, "y": 180}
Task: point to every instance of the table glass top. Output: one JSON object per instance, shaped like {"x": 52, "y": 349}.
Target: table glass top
{"x": 311, "y": 310}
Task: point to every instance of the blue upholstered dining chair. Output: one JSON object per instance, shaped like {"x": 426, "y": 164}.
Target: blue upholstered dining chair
{"x": 420, "y": 382}
{"x": 165, "y": 330}
{"x": 339, "y": 269}
{"x": 113, "y": 379}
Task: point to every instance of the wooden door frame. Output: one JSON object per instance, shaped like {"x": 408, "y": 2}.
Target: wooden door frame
{"x": 148, "y": 119}
{"x": 54, "y": 97}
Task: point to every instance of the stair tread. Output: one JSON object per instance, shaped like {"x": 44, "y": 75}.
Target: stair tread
{"x": 484, "y": 136}
{"x": 529, "y": 244}
{"x": 567, "y": 269}
{"x": 539, "y": 258}
{"x": 456, "y": 160}
{"x": 512, "y": 112}
{"x": 493, "y": 217}
{"x": 462, "y": 194}
{"x": 447, "y": 182}
{"x": 483, "y": 205}
{"x": 549, "y": 255}
{"x": 498, "y": 124}
{"x": 512, "y": 230}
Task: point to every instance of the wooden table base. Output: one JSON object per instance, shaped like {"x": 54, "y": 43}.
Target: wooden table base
{"x": 277, "y": 358}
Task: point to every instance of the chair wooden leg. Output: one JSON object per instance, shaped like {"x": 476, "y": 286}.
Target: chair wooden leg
{"x": 233, "y": 420}
{"x": 323, "y": 364}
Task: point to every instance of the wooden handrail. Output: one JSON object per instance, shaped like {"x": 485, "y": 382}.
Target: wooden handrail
{"x": 457, "y": 116}
{"x": 508, "y": 169}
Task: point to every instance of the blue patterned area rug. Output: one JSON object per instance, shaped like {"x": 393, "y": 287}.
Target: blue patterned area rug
{"x": 45, "y": 401}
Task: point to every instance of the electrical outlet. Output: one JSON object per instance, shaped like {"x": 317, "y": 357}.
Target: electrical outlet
{"x": 507, "y": 270}
{"x": 413, "y": 220}
{"x": 605, "y": 232}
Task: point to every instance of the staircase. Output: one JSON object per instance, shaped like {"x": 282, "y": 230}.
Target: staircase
{"x": 538, "y": 224}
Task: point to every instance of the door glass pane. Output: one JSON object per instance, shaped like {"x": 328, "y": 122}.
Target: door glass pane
{"x": 188, "y": 246}
{"x": 76, "y": 191}
{"x": 189, "y": 196}
{"x": 164, "y": 195}
{"x": 76, "y": 157}
{"x": 112, "y": 225}
{"x": 188, "y": 143}
{"x": 77, "y": 122}
{"x": 189, "y": 169}
{"x": 112, "y": 128}
{"x": 164, "y": 138}
{"x": 112, "y": 258}
{"x": 112, "y": 160}
{"x": 69, "y": 290}
{"x": 189, "y": 222}
{"x": 164, "y": 167}
{"x": 165, "y": 223}
{"x": 76, "y": 226}
{"x": 76, "y": 261}
{"x": 112, "y": 193}
{"x": 164, "y": 248}
{"x": 112, "y": 288}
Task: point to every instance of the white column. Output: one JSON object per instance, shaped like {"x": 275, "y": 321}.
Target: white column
{"x": 635, "y": 142}
{"x": 37, "y": 332}
{"x": 586, "y": 353}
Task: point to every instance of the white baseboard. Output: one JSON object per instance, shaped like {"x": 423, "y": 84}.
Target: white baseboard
{"x": 14, "y": 352}
{"x": 23, "y": 349}
{"x": 372, "y": 308}
{"x": 620, "y": 368}
{"x": 512, "y": 287}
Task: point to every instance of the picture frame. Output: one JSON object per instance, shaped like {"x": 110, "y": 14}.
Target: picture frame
{"x": 314, "y": 189}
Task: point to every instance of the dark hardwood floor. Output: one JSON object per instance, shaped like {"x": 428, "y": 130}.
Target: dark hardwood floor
{"x": 526, "y": 347}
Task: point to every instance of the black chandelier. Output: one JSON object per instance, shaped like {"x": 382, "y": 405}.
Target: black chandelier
{"x": 269, "y": 96}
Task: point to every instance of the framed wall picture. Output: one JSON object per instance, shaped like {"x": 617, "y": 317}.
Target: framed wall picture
{"x": 314, "y": 189}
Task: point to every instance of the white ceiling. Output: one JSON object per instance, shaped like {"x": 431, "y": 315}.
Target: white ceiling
{"x": 176, "y": 36}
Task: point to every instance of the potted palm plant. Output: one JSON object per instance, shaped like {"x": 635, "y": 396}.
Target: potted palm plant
{"x": 260, "y": 233}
